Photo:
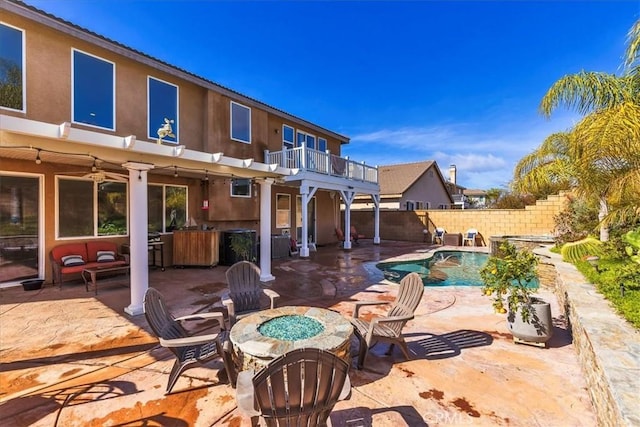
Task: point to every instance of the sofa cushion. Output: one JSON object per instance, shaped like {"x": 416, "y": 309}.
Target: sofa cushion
{"x": 99, "y": 245}
{"x": 78, "y": 268}
{"x": 106, "y": 256}
{"x": 71, "y": 260}
{"x": 69, "y": 249}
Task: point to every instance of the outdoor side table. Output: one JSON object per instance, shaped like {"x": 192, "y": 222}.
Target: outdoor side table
{"x": 91, "y": 273}
{"x": 452, "y": 239}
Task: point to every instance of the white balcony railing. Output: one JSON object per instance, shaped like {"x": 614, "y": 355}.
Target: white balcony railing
{"x": 310, "y": 160}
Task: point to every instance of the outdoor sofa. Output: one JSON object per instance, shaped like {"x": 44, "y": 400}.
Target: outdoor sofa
{"x": 70, "y": 259}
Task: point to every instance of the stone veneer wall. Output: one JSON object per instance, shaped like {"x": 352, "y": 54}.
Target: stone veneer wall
{"x": 534, "y": 220}
{"x": 608, "y": 347}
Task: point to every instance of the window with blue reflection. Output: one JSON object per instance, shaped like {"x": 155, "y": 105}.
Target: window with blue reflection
{"x": 300, "y": 139}
{"x": 163, "y": 104}
{"x": 11, "y": 68}
{"x": 240, "y": 123}
{"x": 287, "y": 136}
{"x": 311, "y": 141}
{"x": 322, "y": 144}
{"x": 93, "y": 91}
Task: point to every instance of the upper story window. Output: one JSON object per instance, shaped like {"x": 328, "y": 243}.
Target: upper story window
{"x": 93, "y": 90}
{"x": 162, "y": 107}
{"x": 12, "y": 68}
{"x": 240, "y": 123}
{"x": 241, "y": 187}
{"x": 304, "y": 138}
{"x": 287, "y": 137}
{"x": 311, "y": 141}
{"x": 322, "y": 144}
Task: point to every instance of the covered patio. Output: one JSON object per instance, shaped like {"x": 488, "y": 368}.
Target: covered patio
{"x": 94, "y": 365}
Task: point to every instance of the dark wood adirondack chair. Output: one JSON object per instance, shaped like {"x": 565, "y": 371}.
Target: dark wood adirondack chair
{"x": 299, "y": 388}
{"x": 245, "y": 291}
{"x": 188, "y": 349}
{"x": 388, "y": 328}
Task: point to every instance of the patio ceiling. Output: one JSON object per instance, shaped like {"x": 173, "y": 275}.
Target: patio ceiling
{"x": 21, "y": 139}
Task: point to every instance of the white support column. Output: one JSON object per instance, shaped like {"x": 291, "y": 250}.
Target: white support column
{"x": 265, "y": 230}
{"x": 376, "y": 220}
{"x": 348, "y": 197}
{"x": 306, "y": 193}
{"x": 304, "y": 199}
{"x": 138, "y": 235}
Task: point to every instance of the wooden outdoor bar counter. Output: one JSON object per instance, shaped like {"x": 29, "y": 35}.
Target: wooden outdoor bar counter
{"x": 196, "y": 248}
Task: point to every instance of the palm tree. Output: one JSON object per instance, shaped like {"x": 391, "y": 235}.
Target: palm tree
{"x": 548, "y": 169}
{"x": 600, "y": 156}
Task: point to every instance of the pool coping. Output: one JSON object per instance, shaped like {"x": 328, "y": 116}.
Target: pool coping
{"x": 608, "y": 347}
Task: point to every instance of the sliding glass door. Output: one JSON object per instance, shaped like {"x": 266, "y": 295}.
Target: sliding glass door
{"x": 20, "y": 234}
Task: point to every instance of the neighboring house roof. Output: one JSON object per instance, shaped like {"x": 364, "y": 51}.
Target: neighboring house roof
{"x": 396, "y": 179}
{"x": 73, "y": 29}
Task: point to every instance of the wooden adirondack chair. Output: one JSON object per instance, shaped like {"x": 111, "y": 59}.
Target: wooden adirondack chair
{"x": 188, "y": 349}
{"x": 389, "y": 327}
{"x": 299, "y": 388}
{"x": 245, "y": 291}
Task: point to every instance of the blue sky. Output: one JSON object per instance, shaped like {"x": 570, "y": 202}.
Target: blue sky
{"x": 458, "y": 82}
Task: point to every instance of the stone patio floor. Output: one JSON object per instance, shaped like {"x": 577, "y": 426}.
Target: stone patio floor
{"x": 70, "y": 358}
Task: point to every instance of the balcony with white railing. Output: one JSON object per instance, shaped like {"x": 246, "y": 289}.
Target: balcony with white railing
{"x": 306, "y": 159}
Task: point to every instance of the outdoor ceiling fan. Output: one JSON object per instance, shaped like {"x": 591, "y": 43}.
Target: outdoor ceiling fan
{"x": 99, "y": 175}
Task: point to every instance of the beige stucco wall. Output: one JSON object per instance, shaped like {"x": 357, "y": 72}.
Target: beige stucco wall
{"x": 427, "y": 189}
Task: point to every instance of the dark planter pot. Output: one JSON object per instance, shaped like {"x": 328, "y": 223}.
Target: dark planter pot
{"x": 538, "y": 330}
{"x": 32, "y": 284}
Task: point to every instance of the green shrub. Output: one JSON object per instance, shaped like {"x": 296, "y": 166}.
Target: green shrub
{"x": 613, "y": 271}
{"x": 509, "y": 277}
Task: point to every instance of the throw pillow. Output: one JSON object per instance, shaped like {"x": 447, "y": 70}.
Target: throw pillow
{"x": 106, "y": 256}
{"x": 71, "y": 260}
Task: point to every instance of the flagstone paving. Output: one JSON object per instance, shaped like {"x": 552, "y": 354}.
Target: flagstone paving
{"x": 71, "y": 358}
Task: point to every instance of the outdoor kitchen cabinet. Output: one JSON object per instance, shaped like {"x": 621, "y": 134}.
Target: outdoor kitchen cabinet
{"x": 196, "y": 248}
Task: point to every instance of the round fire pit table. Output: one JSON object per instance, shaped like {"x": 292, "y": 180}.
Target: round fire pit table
{"x": 261, "y": 337}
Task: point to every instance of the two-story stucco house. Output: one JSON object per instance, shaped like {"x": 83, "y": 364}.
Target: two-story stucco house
{"x": 101, "y": 141}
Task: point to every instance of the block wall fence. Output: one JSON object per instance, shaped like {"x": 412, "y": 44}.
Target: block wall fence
{"x": 534, "y": 220}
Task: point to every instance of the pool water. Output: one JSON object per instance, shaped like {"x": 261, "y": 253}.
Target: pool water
{"x": 444, "y": 268}
{"x": 291, "y": 327}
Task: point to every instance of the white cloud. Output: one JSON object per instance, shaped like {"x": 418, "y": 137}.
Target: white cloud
{"x": 484, "y": 153}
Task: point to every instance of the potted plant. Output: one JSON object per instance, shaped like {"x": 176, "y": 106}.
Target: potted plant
{"x": 242, "y": 246}
{"x": 510, "y": 277}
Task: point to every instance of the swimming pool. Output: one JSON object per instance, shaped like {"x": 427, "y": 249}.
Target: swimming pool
{"x": 444, "y": 268}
